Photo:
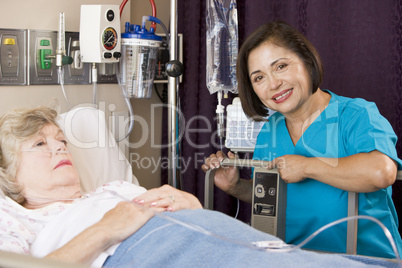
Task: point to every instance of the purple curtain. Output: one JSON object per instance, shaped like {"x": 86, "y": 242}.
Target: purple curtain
{"x": 360, "y": 44}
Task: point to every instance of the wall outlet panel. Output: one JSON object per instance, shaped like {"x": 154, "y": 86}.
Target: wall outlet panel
{"x": 78, "y": 72}
{"x": 13, "y": 57}
{"x": 40, "y": 44}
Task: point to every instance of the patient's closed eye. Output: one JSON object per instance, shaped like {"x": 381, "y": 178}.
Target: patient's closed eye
{"x": 40, "y": 144}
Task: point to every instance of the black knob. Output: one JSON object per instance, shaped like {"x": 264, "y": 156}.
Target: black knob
{"x": 174, "y": 68}
{"x": 117, "y": 55}
{"x": 107, "y": 55}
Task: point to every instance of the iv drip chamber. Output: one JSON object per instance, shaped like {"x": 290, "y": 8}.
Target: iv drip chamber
{"x": 138, "y": 62}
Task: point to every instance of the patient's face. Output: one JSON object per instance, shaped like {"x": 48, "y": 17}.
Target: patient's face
{"x": 45, "y": 170}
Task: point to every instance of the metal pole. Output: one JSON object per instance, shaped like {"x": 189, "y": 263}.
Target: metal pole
{"x": 172, "y": 102}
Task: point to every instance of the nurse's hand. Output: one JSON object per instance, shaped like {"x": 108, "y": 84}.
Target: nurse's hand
{"x": 227, "y": 177}
{"x": 290, "y": 167}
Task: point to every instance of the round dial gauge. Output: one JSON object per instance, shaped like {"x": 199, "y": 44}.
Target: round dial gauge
{"x": 109, "y": 38}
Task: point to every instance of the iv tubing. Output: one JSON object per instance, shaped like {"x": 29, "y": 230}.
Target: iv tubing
{"x": 131, "y": 118}
{"x": 286, "y": 247}
{"x": 128, "y": 103}
{"x": 60, "y": 73}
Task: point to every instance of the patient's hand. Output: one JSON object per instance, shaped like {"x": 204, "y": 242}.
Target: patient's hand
{"x": 124, "y": 220}
{"x": 168, "y": 198}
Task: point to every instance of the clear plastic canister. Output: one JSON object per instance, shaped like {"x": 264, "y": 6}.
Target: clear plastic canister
{"x": 138, "y": 62}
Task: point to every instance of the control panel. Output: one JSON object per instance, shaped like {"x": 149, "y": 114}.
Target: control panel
{"x": 269, "y": 202}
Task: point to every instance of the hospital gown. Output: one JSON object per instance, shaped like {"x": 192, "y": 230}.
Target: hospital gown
{"x": 41, "y": 231}
{"x": 346, "y": 127}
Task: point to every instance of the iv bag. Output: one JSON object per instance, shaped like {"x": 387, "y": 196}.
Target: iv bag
{"x": 222, "y": 46}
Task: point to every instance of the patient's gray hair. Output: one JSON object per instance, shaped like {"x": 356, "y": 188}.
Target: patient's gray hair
{"x": 17, "y": 126}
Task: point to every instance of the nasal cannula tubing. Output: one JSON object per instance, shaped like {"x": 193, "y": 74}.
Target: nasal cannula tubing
{"x": 271, "y": 246}
{"x": 47, "y": 151}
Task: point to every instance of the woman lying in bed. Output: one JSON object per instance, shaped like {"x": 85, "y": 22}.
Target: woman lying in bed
{"x": 45, "y": 214}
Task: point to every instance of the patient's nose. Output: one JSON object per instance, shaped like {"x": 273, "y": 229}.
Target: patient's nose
{"x": 59, "y": 146}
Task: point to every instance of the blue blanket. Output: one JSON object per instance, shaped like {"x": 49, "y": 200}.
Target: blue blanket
{"x": 162, "y": 243}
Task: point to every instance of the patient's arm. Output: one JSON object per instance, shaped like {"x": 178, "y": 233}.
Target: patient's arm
{"x": 115, "y": 226}
{"x": 168, "y": 198}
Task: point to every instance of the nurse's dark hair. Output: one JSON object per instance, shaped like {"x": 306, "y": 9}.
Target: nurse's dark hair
{"x": 284, "y": 35}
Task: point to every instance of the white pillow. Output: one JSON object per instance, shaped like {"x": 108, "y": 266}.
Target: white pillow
{"x": 96, "y": 154}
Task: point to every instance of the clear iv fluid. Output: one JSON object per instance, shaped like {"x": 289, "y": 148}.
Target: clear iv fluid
{"x": 222, "y": 48}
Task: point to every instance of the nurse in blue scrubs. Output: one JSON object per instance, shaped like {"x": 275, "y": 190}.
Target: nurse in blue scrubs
{"x": 322, "y": 144}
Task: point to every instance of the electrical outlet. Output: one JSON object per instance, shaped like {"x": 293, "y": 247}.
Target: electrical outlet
{"x": 13, "y": 57}
{"x": 42, "y": 70}
{"x": 78, "y": 72}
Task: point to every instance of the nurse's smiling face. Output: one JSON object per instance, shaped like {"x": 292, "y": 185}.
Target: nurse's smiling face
{"x": 279, "y": 78}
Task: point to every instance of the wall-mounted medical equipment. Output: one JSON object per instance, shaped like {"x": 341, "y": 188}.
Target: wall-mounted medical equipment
{"x": 42, "y": 44}
{"x": 139, "y": 57}
{"x": 78, "y": 72}
{"x": 269, "y": 196}
{"x": 13, "y": 57}
{"x": 100, "y": 33}
{"x": 100, "y": 40}
{"x": 47, "y": 55}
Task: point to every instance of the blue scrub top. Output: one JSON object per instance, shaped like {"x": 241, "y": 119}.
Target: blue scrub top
{"x": 346, "y": 127}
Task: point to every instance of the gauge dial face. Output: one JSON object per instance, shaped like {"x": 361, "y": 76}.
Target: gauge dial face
{"x": 109, "y": 38}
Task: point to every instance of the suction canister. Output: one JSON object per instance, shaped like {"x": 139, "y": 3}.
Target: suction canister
{"x": 139, "y": 49}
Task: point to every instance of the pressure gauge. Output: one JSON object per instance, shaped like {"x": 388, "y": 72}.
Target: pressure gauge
{"x": 109, "y": 38}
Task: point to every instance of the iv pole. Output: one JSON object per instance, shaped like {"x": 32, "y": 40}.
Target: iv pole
{"x": 174, "y": 69}
{"x": 172, "y": 102}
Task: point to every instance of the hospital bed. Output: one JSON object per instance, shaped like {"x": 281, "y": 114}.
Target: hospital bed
{"x": 96, "y": 155}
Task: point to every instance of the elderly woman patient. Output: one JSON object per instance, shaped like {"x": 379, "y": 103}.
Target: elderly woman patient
{"x": 45, "y": 214}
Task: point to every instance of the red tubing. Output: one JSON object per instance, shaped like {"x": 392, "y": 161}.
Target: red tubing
{"x": 153, "y": 10}
{"x": 122, "y": 6}
{"x": 153, "y": 13}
